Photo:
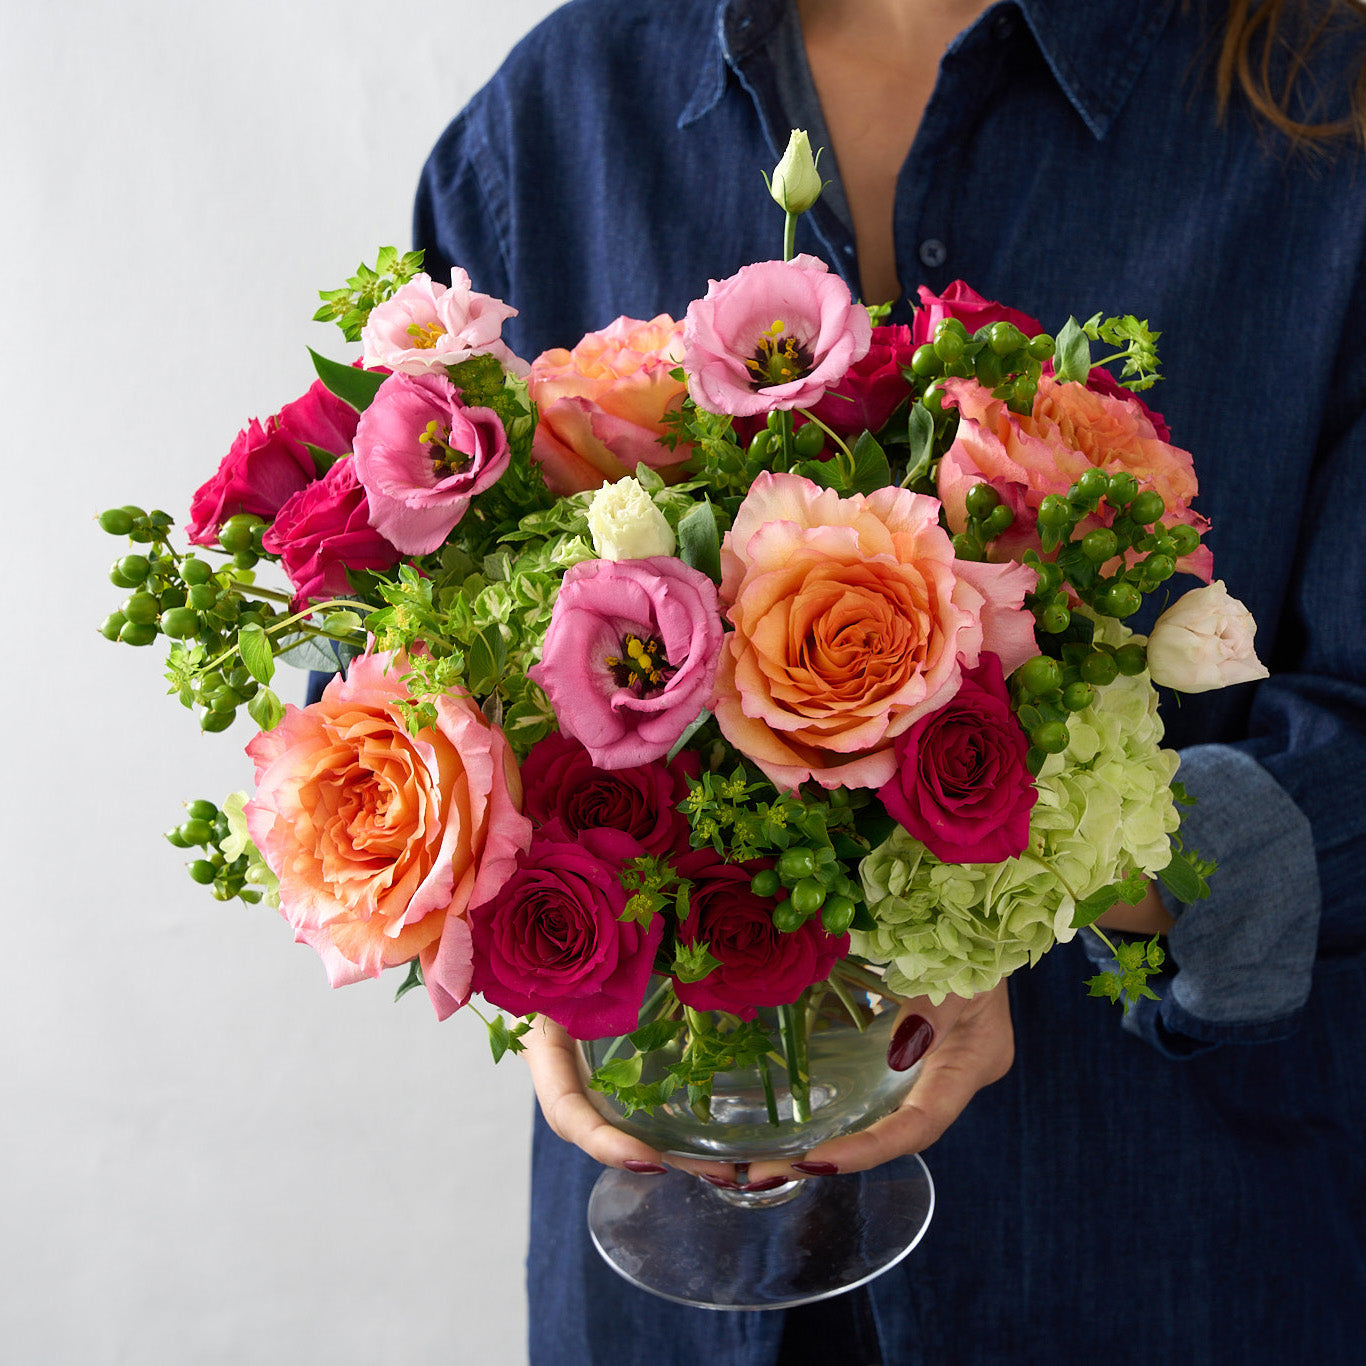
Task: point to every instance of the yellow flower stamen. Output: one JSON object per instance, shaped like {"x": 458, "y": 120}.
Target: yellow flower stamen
{"x": 425, "y": 338}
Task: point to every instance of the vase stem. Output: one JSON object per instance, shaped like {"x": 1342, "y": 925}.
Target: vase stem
{"x": 791, "y": 1026}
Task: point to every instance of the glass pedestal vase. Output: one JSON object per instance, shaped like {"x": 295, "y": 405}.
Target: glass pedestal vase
{"x": 688, "y": 1241}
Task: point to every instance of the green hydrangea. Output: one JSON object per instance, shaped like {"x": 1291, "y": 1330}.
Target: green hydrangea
{"x": 1104, "y": 805}
{"x": 239, "y": 842}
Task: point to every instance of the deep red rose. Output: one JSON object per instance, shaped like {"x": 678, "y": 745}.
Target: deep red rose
{"x": 760, "y": 965}
{"x": 961, "y": 787}
{"x": 561, "y": 783}
{"x": 552, "y": 940}
{"x": 969, "y": 307}
{"x": 268, "y": 464}
{"x": 323, "y": 531}
{"x": 872, "y": 387}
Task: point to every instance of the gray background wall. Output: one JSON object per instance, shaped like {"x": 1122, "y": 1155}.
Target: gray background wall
{"x": 206, "y": 1155}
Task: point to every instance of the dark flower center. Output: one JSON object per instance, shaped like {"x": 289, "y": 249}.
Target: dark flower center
{"x": 778, "y": 358}
{"x": 643, "y": 667}
{"x": 446, "y": 460}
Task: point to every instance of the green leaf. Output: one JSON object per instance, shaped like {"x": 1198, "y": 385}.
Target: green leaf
{"x": 1072, "y": 360}
{"x": 257, "y": 655}
{"x": 488, "y": 653}
{"x": 699, "y": 544}
{"x": 650, "y": 480}
{"x": 350, "y": 384}
{"x": 323, "y": 460}
{"x": 689, "y": 731}
{"x": 1182, "y": 877}
{"x": 920, "y": 440}
{"x": 871, "y": 470}
{"x": 266, "y": 709}
{"x": 618, "y": 1072}
{"x": 413, "y": 979}
{"x": 655, "y": 1035}
{"x": 342, "y": 623}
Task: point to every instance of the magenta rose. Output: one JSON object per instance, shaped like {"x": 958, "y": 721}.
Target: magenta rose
{"x": 552, "y": 940}
{"x": 872, "y": 387}
{"x": 969, "y": 307}
{"x": 961, "y": 786}
{"x": 562, "y": 784}
{"x": 630, "y": 656}
{"x": 323, "y": 531}
{"x": 774, "y": 335}
{"x": 422, "y": 455}
{"x": 268, "y": 464}
{"x": 759, "y": 964}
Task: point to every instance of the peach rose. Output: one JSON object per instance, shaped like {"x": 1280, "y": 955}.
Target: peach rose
{"x": 1072, "y": 429}
{"x": 380, "y": 839}
{"x": 602, "y": 404}
{"x": 851, "y": 621}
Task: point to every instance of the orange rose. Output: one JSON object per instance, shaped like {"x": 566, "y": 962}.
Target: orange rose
{"x": 380, "y": 839}
{"x": 602, "y": 404}
{"x": 851, "y": 621}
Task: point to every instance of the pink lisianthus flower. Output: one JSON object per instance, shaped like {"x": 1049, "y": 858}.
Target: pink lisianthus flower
{"x": 872, "y": 387}
{"x": 323, "y": 531}
{"x": 1072, "y": 428}
{"x": 777, "y": 334}
{"x": 552, "y": 939}
{"x": 268, "y": 464}
{"x": 421, "y": 455}
{"x": 961, "y": 786}
{"x": 603, "y": 405}
{"x": 630, "y": 656}
{"x": 852, "y": 620}
{"x": 963, "y": 302}
{"x": 381, "y": 839}
{"x": 426, "y": 326}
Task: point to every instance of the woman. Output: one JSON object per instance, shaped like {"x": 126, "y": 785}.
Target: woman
{"x": 1191, "y": 1182}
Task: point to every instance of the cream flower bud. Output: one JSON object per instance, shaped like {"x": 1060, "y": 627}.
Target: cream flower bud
{"x": 1204, "y": 641}
{"x": 626, "y": 524}
{"x": 796, "y": 183}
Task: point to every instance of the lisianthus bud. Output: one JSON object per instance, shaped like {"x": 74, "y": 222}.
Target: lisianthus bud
{"x": 1204, "y": 641}
{"x": 626, "y": 524}
{"x": 796, "y": 183}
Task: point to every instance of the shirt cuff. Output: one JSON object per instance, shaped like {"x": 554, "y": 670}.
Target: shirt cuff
{"x": 1241, "y": 959}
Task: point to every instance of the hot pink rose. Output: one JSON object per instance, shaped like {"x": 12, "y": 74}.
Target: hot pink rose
{"x": 552, "y": 939}
{"x": 851, "y": 619}
{"x": 759, "y": 964}
{"x": 630, "y": 655}
{"x": 323, "y": 531}
{"x": 961, "y": 785}
{"x": 421, "y": 455}
{"x": 562, "y": 784}
{"x": 381, "y": 839}
{"x": 426, "y": 326}
{"x": 872, "y": 387}
{"x": 963, "y": 302}
{"x": 602, "y": 405}
{"x": 1072, "y": 429}
{"x": 268, "y": 464}
{"x": 774, "y": 335}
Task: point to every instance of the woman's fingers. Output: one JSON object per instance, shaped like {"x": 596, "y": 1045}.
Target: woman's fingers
{"x": 964, "y": 1045}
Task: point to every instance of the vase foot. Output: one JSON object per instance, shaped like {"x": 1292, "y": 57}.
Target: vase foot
{"x": 676, "y": 1237}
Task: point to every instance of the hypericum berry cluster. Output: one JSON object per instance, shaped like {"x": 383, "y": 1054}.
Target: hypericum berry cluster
{"x": 810, "y": 881}
{"x": 999, "y": 356}
{"x": 187, "y": 600}
{"x": 206, "y": 827}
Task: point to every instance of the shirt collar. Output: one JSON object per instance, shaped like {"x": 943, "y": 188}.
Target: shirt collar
{"x": 1094, "y": 48}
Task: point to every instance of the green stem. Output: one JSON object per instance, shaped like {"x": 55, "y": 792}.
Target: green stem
{"x": 850, "y": 1005}
{"x": 792, "y": 1028}
{"x": 859, "y": 976}
{"x": 790, "y": 236}
{"x": 646, "y": 1016}
{"x": 313, "y": 632}
{"x": 785, "y": 435}
{"x": 770, "y": 1098}
{"x": 834, "y": 436}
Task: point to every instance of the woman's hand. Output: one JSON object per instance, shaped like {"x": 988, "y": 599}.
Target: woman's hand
{"x": 1148, "y": 917}
{"x": 965, "y": 1045}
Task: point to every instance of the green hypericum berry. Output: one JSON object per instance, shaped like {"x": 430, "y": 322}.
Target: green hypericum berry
{"x": 1078, "y": 696}
{"x": 1123, "y": 488}
{"x": 1131, "y": 659}
{"x": 119, "y": 579}
{"x": 1040, "y": 675}
{"x": 999, "y": 521}
{"x": 1042, "y": 347}
{"x": 194, "y": 570}
{"x": 1099, "y": 668}
{"x": 1055, "y": 619}
{"x": 787, "y": 917}
{"x": 173, "y": 836}
{"x": 837, "y": 915}
{"x": 203, "y": 810}
{"x": 1159, "y": 567}
{"x": 808, "y": 896}
{"x": 1051, "y": 737}
{"x": 1092, "y": 485}
{"x": 138, "y": 633}
{"x": 171, "y": 597}
{"x": 1120, "y": 600}
{"x": 1004, "y": 338}
{"x": 135, "y": 567}
{"x": 203, "y": 871}
{"x": 142, "y": 608}
{"x": 761, "y": 444}
{"x": 1100, "y": 545}
{"x": 1054, "y": 512}
{"x": 794, "y": 865}
{"x": 235, "y": 533}
{"x": 933, "y": 398}
{"x": 1185, "y": 539}
{"x": 202, "y": 596}
{"x": 216, "y": 720}
{"x": 966, "y": 547}
{"x": 113, "y": 624}
{"x": 1147, "y": 507}
{"x": 925, "y": 361}
{"x": 245, "y": 559}
{"x": 948, "y": 344}
{"x": 116, "y": 521}
{"x": 180, "y": 623}
{"x": 1050, "y": 578}
{"x": 981, "y": 499}
{"x": 765, "y": 883}
{"x": 808, "y": 440}
{"x": 195, "y": 831}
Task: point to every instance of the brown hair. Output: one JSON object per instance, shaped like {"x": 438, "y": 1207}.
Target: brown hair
{"x": 1265, "y": 52}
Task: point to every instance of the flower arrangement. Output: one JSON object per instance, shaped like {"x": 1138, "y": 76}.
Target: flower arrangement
{"x": 761, "y": 652}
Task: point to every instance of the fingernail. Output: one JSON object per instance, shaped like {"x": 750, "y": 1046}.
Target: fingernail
{"x": 720, "y": 1182}
{"x": 912, "y": 1038}
{"x": 644, "y": 1168}
{"x": 815, "y": 1168}
{"x": 771, "y": 1183}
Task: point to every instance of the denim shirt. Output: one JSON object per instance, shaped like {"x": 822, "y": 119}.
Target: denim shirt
{"x": 1070, "y": 160}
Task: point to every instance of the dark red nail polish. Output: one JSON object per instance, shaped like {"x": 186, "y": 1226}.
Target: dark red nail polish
{"x": 815, "y": 1168}
{"x": 644, "y": 1168}
{"x": 719, "y": 1182}
{"x": 913, "y": 1037}
{"x": 770, "y": 1184}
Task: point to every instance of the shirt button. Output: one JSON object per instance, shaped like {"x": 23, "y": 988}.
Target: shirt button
{"x": 1003, "y": 27}
{"x": 933, "y": 253}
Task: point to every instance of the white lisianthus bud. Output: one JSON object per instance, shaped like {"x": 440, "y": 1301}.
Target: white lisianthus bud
{"x": 1204, "y": 641}
{"x": 626, "y": 524}
{"x": 796, "y": 183}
